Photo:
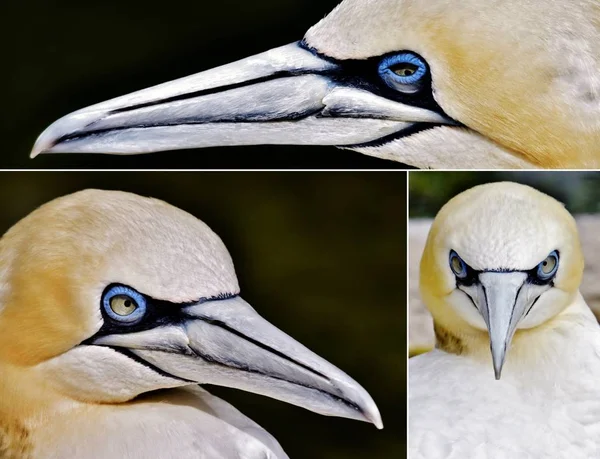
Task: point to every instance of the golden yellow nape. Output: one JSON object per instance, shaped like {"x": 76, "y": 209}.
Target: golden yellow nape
{"x": 500, "y": 274}
{"x": 524, "y": 74}
{"x": 113, "y": 308}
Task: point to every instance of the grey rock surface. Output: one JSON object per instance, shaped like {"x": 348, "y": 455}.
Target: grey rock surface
{"x": 420, "y": 324}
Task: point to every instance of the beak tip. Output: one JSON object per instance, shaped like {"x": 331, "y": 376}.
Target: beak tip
{"x": 374, "y": 418}
{"x": 498, "y": 359}
{"x": 498, "y": 365}
{"x": 36, "y": 151}
{"x": 497, "y": 371}
{"x": 364, "y": 407}
{"x": 44, "y": 143}
{"x": 378, "y": 422}
{"x": 371, "y": 413}
{"x": 54, "y": 134}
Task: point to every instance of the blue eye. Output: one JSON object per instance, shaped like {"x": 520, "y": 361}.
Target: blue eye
{"x": 546, "y": 270}
{"x": 403, "y": 72}
{"x": 124, "y": 304}
{"x": 458, "y": 266}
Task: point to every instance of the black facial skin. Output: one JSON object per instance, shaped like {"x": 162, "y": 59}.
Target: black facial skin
{"x": 364, "y": 74}
{"x": 472, "y": 276}
{"x": 158, "y": 313}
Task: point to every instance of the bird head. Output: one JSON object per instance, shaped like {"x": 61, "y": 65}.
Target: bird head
{"x": 109, "y": 295}
{"x": 500, "y": 259}
{"x": 438, "y": 83}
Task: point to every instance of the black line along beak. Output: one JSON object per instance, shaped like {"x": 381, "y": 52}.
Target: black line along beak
{"x": 503, "y": 299}
{"x": 289, "y": 95}
{"x": 227, "y": 343}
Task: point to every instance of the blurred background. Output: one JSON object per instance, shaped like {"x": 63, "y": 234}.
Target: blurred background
{"x": 64, "y": 55}
{"x": 319, "y": 255}
{"x": 579, "y": 191}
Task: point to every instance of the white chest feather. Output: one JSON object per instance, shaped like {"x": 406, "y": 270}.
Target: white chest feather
{"x": 547, "y": 407}
{"x": 176, "y": 424}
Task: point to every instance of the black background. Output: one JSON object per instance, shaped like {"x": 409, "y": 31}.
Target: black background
{"x": 320, "y": 255}
{"x": 60, "y": 56}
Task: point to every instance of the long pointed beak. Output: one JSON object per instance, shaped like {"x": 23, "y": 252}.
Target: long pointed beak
{"x": 227, "y": 343}
{"x": 288, "y": 95}
{"x": 502, "y": 300}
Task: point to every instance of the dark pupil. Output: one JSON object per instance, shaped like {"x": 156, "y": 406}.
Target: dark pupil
{"x": 127, "y": 303}
{"x": 457, "y": 265}
{"x": 405, "y": 69}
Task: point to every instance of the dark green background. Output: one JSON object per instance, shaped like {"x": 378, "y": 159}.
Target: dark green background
{"x": 319, "y": 255}
{"x": 62, "y": 55}
{"x": 429, "y": 191}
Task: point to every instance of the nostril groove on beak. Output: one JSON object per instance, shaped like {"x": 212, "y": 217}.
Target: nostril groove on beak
{"x": 239, "y": 334}
{"x": 218, "y": 89}
{"x": 243, "y": 367}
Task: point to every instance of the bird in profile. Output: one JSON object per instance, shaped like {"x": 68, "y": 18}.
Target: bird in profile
{"x": 113, "y": 308}
{"x": 501, "y": 270}
{"x": 429, "y": 83}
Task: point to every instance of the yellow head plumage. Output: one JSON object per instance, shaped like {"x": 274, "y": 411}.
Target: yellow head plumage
{"x": 56, "y": 262}
{"x": 499, "y": 258}
{"x": 525, "y": 75}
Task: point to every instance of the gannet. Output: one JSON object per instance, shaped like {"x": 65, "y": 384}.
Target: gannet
{"x": 501, "y": 270}
{"x": 113, "y": 308}
{"x": 430, "y": 83}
